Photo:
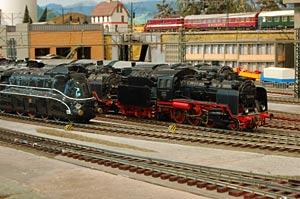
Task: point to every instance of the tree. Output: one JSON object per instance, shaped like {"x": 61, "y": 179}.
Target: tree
{"x": 269, "y": 5}
{"x": 193, "y": 7}
{"x": 164, "y": 9}
{"x": 27, "y": 18}
{"x": 189, "y": 7}
{"x": 44, "y": 16}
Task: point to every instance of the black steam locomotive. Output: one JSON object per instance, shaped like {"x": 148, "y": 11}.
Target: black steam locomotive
{"x": 56, "y": 93}
{"x": 212, "y": 96}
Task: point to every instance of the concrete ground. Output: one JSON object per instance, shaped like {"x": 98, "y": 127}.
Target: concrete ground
{"x": 28, "y": 176}
{"x": 227, "y": 159}
{"x": 289, "y": 108}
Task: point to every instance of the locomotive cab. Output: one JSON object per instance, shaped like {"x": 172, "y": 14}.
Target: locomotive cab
{"x": 165, "y": 88}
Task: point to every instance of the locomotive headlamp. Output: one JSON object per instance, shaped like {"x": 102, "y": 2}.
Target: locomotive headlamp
{"x": 78, "y": 106}
{"x": 246, "y": 111}
{"x": 263, "y": 107}
{"x": 80, "y": 112}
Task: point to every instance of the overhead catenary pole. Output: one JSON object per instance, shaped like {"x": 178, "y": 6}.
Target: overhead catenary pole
{"x": 131, "y": 30}
{"x": 131, "y": 16}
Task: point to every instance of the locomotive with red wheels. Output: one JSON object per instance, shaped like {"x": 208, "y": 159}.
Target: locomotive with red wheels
{"x": 204, "y": 95}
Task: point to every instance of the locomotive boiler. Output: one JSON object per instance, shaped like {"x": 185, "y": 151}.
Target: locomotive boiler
{"x": 56, "y": 93}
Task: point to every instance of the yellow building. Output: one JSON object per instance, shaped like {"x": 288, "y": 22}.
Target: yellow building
{"x": 85, "y": 41}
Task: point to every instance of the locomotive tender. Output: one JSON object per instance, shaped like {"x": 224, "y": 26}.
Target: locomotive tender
{"x": 55, "y": 93}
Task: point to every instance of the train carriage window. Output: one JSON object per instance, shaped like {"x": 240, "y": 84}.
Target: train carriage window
{"x": 161, "y": 83}
{"x": 276, "y": 19}
{"x": 284, "y": 19}
{"x": 269, "y": 19}
{"x": 168, "y": 83}
{"x": 291, "y": 18}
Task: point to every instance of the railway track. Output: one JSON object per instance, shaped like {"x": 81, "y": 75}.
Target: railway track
{"x": 235, "y": 183}
{"x": 267, "y": 141}
{"x": 284, "y": 121}
{"x": 284, "y": 99}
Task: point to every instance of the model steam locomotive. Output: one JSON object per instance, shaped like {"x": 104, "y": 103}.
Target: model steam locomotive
{"x": 56, "y": 93}
{"x": 211, "y": 96}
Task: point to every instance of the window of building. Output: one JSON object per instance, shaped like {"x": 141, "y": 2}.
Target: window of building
{"x": 268, "y": 49}
{"x": 244, "y": 49}
{"x": 42, "y": 51}
{"x": 214, "y": 49}
{"x": 200, "y": 49}
{"x": 284, "y": 19}
{"x": 220, "y": 49}
{"x": 191, "y": 50}
{"x": 107, "y": 18}
{"x": 121, "y": 9}
{"x": 11, "y": 48}
{"x": 122, "y": 19}
{"x": 188, "y": 49}
{"x": 252, "y": 49}
{"x": 260, "y": 49}
{"x": 195, "y": 49}
{"x": 63, "y": 51}
{"x": 84, "y": 53}
{"x": 207, "y": 49}
{"x": 116, "y": 28}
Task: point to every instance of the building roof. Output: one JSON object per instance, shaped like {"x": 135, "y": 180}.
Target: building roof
{"x": 107, "y": 8}
{"x": 277, "y": 13}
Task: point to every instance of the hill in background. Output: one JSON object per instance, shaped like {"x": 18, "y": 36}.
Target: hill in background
{"x": 144, "y": 9}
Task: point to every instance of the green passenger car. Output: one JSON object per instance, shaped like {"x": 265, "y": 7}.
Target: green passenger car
{"x": 276, "y": 19}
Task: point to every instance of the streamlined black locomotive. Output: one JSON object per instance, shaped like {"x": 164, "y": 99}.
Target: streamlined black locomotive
{"x": 56, "y": 93}
{"x": 212, "y": 96}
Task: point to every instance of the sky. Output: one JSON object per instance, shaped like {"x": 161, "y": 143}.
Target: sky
{"x": 69, "y": 2}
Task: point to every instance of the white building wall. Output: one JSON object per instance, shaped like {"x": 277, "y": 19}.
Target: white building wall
{"x": 20, "y": 36}
{"x": 13, "y": 11}
{"x": 110, "y": 22}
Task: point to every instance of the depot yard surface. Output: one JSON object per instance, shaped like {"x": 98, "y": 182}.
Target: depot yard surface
{"x": 25, "y": 175}
{"x": 235, "y": 160}
{"x": 289, "y": 108}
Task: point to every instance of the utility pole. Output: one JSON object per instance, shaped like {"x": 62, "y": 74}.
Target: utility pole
{"x": 182, "y": 45}
{"x": 131, "y": 31}
{"x": 63, "y": 15}
{"x": 227, "y": 14}
{"x": 131, "y": 16}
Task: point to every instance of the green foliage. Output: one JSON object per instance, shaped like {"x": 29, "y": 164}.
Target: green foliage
{"x": 44, "y": 16}
{"x": 268, "y": 5}
{"x": 230, "y": 6}
{"x": 164, "y": 9}
{"x": 189, "y": 7}
{"x": 27, "y": 18}
{"x": 194, "y": 7}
